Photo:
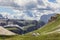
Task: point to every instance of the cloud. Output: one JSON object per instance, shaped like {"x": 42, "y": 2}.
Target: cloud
{"x": 5, "y": 14}
{"x": 24, "y": 2}
{"x": 32, "y": 9}
{"x": 58, "y": 1}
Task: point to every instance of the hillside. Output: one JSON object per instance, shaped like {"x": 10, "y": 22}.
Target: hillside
{"x": 4, "y": 31}
{"x": 50, "y": 31}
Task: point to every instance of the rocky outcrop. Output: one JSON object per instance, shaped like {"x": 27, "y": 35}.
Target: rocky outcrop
{"x": 53, "y": 18}
{"x": 45, "y": 18}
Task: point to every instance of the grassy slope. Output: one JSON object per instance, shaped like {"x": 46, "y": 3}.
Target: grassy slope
{"x": 50, "y": 26}
{"x": 45, "y": 29}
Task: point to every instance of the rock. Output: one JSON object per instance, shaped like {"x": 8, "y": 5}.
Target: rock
{"x": 38, "y": 34}
{"x": 35, "y": 34}
{"x": 4, "y": 31}
{"x": 52, "y": 18}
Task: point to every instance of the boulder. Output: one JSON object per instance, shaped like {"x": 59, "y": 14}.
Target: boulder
{"x": 36, "y": 34}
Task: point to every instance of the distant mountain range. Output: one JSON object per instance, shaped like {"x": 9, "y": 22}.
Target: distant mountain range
{"x": 43, "y": 18}
{"x": 1, "y": 17}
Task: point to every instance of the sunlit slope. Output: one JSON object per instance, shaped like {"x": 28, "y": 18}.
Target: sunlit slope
{"x": 50, "y": 31}
{"x": 54, "y": 25}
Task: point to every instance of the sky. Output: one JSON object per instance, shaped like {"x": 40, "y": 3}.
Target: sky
{"x": 28, "y": 9}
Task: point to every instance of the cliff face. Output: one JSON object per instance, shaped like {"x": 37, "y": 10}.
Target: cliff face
{"x": 45, "y": 18}
{"x": 53, "y": 18}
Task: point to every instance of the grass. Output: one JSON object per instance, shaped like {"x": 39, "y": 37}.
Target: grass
{"x": 11, "y": 28}
{"x": 52, "y": 26}
{"x": 53, "y": 36}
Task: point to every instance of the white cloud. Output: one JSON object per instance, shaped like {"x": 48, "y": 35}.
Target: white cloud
{"x": 30, "y": 4}
{"x": 58, "y": 1}
{"x": 24, "y": 2}
{"x": 5, "y": 14}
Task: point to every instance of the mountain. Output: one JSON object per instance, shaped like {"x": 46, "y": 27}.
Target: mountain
{"x": 4, "y": 31}
{"x": 45, "y": 18}
{"x": 27, "y": 15}
{"x": 50, "y": 31}
{"x": 1, "y": 17}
